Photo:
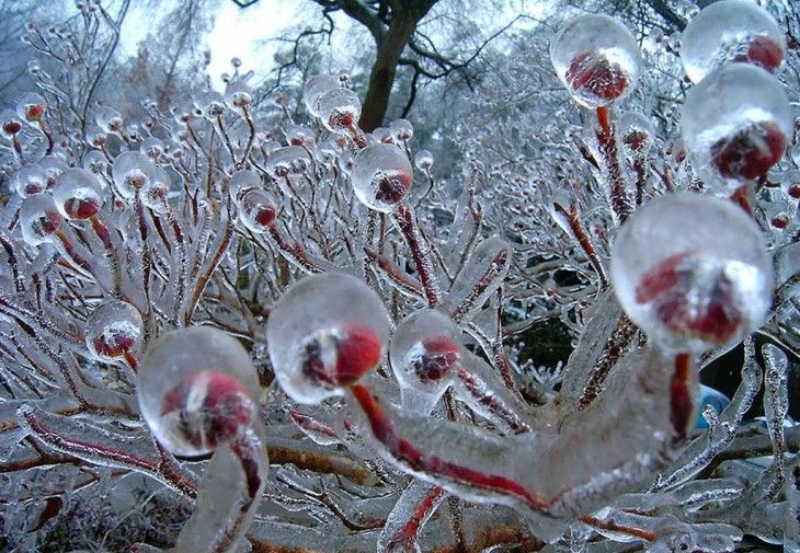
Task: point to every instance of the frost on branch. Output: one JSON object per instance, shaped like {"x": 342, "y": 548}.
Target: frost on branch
{"x": 387, "y": 313}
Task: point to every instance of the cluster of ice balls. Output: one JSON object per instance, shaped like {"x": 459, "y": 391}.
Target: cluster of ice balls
{"x": 737, "y": 120}
{"x": 691, "y": 291}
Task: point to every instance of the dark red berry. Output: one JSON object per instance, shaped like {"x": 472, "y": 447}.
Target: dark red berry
{"x": 780, "y": 221}
{"x": 213, "y": 408}
{"x": 34, "y": 111}
{"x": 596, "y": 75}
{"x": 763, "y": 52}
{"x": 393, "y": 187}
{"x": 113, "y": 343}
{"x": 360, "y": 352}
{"x": 265, "y": 215}
{"x": 636, "y": 140}
{"x": 440, "y": 358}
{"x": 341, "y": 120}
{"x": 48, "y": 222}
{"x": 81, "y": 208}
{"x": 12, "y": 127}
{"x": 689, "y": 299}
{"x": 341, "y": 356}
{"x": 750, "y": 152}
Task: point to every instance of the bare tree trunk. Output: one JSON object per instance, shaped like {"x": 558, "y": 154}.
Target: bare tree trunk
{"x": 384, "y": 70}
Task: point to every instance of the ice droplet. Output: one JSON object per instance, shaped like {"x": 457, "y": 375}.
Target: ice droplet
{"x": 29, "y": 180}
{"x": 38, "y": 219}
{"x": 324, "y": 333}
{"x": 339, "y": 109}
{"x": 315, "y": 87}
{"x": 132, "y": 172}
{"x": 692, "y": 291}
{"x": 731, "y": 31}
{"x": 425, "y": 352}
{"x": 77, "y": 194}
{"x": 736, "y": 124}
{"x": 197, "y": 388}
{"x": 257, "y": 210}
{"x": 382, "y": 175}
{"x": 113, "y": 329}
{"x": 597, "y": 59}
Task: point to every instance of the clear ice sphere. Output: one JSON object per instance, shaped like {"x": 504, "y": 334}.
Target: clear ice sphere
{"x": 736, "y": 124}
{"x": 382, "y": 176}
{"x": 692, "y": 289}
{"x": 77, "y": 194}
{"x": 597, "y": 59}
{"x": 731, "y": 31}
{"x": 197, "y": 388}
{"x": 325, "y": 333}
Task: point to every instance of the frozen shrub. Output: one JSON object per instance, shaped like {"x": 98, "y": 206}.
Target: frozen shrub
{"x": 188, "y": 298}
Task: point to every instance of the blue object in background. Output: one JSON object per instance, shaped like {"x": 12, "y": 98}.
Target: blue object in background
{"x": 709, "y": 396}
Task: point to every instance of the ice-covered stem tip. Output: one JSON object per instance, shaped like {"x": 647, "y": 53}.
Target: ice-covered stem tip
{"x": 382, "y": 176}
{"x": 427, "y": 357}
{"x": 597, "y": 59}
{"x": 692, "y": 291}
{"x": 736, "y": 124}
{"x": 327, "y": 322}
{"x": 324, "y": 334}
{"x": 198, "y": 393}
{"x": 731, "y": 31}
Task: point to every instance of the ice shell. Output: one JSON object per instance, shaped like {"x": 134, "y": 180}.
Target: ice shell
{"x": 736, "y": 124}
{"x": 636, "y": 132}
{"x": 288, "y": 160}
{"x": 197, "y": 388}
{"x": 132, "y": 172}
{"x": 425, "y": 351}
{"x": 382, "y": 175}
{"x": 731, "y": 31}
{"x": 29, "y": 180}
{"x": 109, "y": 119}
{"x": 31, "y": 107}
{"x": 402, "y": 129}
{"x": 152, "y": 147}
{"x": 315, "y": 87}
{"x": 300, "y": 135}
{"x": 325, "y": 331}
{"x": 77, "y": 194}
{"x": 423, "y": 159}
{"x": 241, "y": 182}
{"x": 113, "y": 329}
{"x": 339, "y": 110}
{"x": 257, "y": 210}
{"x": 38, "y": 219}
{"x": 96, "y": 162}
{"x": 238, "y": 94}
{"x": 692, "y": 289}
{"x": 597, "y": 59}
{"x": 52, "y": 166}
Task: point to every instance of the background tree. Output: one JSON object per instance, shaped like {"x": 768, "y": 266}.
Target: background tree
{"x": 431, "y": 38}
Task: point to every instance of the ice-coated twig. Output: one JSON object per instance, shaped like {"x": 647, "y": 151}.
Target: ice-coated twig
{"x": 407, "y": 223}
{"x": 418, "y": 502}
{"x": 705, "y": 447}
{"x": 607, "y": 140}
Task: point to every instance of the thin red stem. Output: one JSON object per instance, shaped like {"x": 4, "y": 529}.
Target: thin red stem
{"x": 620, "y": 202}
{"x": 408, "y": 454}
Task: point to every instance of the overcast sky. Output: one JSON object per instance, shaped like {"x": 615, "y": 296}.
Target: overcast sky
{"x": 236, "y": 33}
